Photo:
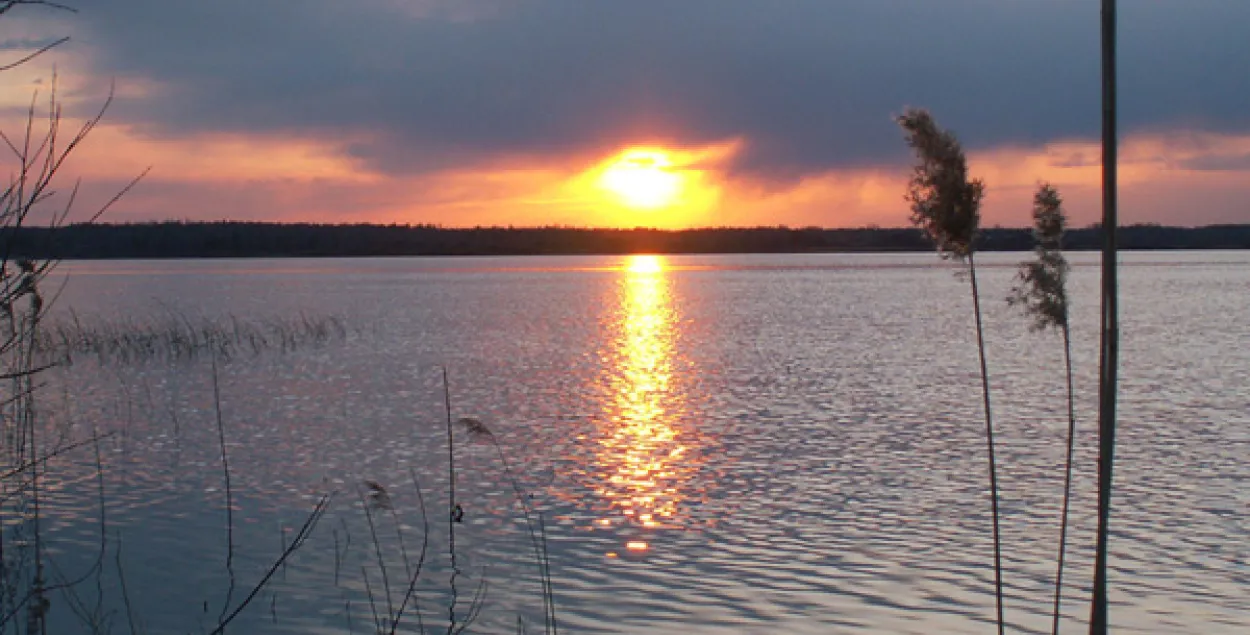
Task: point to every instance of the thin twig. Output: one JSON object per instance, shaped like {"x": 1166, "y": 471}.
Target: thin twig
{"x": 305, "y": 530}
{"x": 225, "y": 468}
{"x": 410, "y": 593}
{"x": 54, "y": 453}
{"x": 550, "y": 593}
{"x": 121, "y": 578}
{"x": 337, "y": 557}
{"x": 475, "y": 605}
{"x": 99, "y": 565}
{"x": 9, "y": 4}
{"x": 43, "y": 49}
{"x": 377, "y": 549}
{"x": 373, "y": 606}
{"x": 399, "y": 536}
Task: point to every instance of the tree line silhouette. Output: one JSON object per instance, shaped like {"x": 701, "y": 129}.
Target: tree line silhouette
{"x": 231, "y": 239}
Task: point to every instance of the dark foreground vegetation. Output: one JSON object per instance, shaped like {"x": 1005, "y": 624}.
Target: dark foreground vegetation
{"x": 242, "y": 239}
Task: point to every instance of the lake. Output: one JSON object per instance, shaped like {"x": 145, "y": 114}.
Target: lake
{"x": 716, "y": 444}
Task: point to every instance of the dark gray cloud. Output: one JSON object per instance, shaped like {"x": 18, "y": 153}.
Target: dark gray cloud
{"x": 811, "y": 84}
{"x": 1218, "y": 163}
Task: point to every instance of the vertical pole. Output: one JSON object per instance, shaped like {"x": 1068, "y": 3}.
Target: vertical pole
{"x": 1110, "y": 330}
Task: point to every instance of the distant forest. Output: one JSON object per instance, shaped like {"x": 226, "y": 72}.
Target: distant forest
{"x": 245, "y": 239}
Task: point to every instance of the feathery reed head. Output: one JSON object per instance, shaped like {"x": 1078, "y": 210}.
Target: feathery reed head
{"x": 378, "y": 496}
{"x": 1041, "y": 289}
{"x": 1048, "y": 219}
{"x": 945, "y": 203}
{"x": 475, "y": 428}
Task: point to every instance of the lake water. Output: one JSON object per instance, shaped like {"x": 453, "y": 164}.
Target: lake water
{"x": 717, "y": 444}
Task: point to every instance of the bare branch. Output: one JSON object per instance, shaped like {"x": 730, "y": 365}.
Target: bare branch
{"x": 45, "y": 458}
{"x": 6, "y": 5}
{"x": 44, "y": 49}
{"x": 301, "y": 536}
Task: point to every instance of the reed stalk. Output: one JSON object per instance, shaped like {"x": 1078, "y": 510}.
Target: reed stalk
{"x": 452, "y": 516}
{"x": 410, "y": 595}
{"x": 225, "y": 469}
{"x": 538, "y": 538}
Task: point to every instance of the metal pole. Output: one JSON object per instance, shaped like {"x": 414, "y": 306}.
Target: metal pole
{"x": 1110, "y": 329}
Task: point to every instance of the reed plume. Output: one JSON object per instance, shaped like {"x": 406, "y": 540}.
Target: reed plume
{"x": 946, "y": 206}
{"x": 1040, "y": 289}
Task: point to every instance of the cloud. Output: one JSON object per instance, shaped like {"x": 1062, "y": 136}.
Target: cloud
{"x": 288, "y": 180}
{"x": 468, "y": 112}
{"x": 1221, "y": 163}
{"x": 809, "y": 85}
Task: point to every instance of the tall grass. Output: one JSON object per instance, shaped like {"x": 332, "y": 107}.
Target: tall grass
{"x": 1041, "y": 292}
{"x": 177, "y": 337}
{"x": 946, "y": 206}
{"x": 376, "y": 499}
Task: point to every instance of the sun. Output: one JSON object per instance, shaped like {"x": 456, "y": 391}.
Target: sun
{"x": 643, "y": 179}
{"x": 645, "y": 264}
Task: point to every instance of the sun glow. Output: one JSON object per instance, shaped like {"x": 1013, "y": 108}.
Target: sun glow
{"x": 643, "y": 179}
{"x": 660, "y": 186}
{"x": 645, "y": 264}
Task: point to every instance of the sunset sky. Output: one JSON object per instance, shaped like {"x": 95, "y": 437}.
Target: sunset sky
{"x": 632, "y": 113}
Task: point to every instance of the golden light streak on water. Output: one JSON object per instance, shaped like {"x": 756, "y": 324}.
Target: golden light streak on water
{"x": 641, "y": 452}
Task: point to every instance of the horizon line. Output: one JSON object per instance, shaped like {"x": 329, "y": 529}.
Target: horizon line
{"x": 585, "y": 228}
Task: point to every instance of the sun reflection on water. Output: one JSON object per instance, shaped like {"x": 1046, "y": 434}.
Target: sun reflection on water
{"x": 641, "y": 453}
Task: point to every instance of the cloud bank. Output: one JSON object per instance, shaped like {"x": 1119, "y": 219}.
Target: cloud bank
{"x": 805, "y": 88}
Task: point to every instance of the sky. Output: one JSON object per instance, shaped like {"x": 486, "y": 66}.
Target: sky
{"x": 670, "y": 114}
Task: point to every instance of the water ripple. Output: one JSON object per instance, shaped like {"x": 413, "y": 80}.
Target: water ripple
{"x": 717, "y": 445}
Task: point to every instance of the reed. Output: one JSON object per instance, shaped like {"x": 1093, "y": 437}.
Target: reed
{"x": 1041, "y": 293}
{"x": 376, "y": 497}
{"x": 946, "y": 206}
{"x": 178, "y": 337}
{"x": 454, "y": 511}
{"x": 538, "y": 539}
{"x": 410, "y": 595}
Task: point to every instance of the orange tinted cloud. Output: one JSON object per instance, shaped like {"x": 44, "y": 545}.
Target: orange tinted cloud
{"x": 1159, "y": 176}
{"x": 114, "y": 152}
{"x": 1180, "y": 178}
{"x": 1164, "y": 178}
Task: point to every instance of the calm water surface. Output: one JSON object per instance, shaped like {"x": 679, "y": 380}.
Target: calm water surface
{"x": 717, "y": 444}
